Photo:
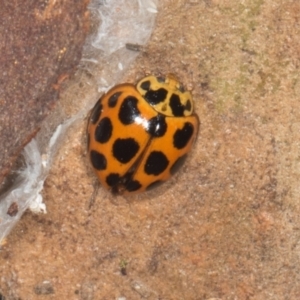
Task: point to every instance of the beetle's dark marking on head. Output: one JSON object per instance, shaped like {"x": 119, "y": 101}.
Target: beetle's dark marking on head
{"x": 113, "y": 99}
{"x": 188, "y": 105}
{"x": 98, "y": 160}
{"x": 181, "y": 88}
{"x": 146, "y": 85}
{"x": 182, "y": 136}
{"x": 129, "y": 110}
{"x": 157, "y": 126}
{"x": 103, "y": 130}
{"x": 155, "y": 97}
{"x": 156, "y": 163}
{"x": 176, "y": 106}
{"x": 96, "y": 112}
{"x": 125, "y": 149}
{"x": 161, "y": 79}
{"x": 178, "y": 164}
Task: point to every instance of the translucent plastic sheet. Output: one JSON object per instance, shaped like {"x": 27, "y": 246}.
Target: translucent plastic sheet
{"x": 105, "y": 59}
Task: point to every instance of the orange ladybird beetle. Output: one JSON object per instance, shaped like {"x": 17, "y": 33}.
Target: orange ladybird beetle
{"x": 139, "y": 136}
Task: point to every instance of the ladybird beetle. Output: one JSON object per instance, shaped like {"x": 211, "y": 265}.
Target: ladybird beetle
{"x": 138, "y": 136}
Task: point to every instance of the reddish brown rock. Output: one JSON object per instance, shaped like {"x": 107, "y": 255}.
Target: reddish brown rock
{"x": 41, "y": 44}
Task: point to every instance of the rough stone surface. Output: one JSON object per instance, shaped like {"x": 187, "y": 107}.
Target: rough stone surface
{"x": 41, "y": 44}
{"x": 227, "y": 226}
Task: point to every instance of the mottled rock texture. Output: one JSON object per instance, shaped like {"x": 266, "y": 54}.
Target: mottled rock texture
{"x": 40, "y": 45}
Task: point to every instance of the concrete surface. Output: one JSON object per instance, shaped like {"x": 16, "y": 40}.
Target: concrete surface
{"x": 227, "y": 226}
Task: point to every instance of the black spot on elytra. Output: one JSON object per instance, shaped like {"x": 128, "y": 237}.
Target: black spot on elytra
{"x": 156, "y": 163}
{"x": 96, "y": 112}
{"x": 98, "y": 160}
{"x": 113, "y": 179}
{"x": 157, "y": 126}
{"x": 178, "y": 164}
{"x": 129, "y": 110}
{"x": 176, "y": 106}
{"x": 182, "y": 136}
{"x": 125, "y": 149}
{"x": 103, "y": 130}
{"x": 155, "y": 97}
{"x": 154, "y": 185}
{"x": 112, "y": 101}
{"x": 133, "y": 185}
{"x": 145, "y": 85}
